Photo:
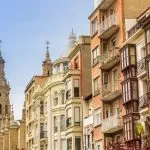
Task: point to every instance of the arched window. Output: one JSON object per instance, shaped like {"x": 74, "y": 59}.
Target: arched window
{"x": 0, "y": 108}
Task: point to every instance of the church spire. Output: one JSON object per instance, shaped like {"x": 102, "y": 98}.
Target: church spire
{"x": 47, "y": 65}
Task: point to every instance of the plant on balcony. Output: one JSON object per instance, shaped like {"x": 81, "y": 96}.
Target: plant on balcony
{"x": 139, "y": 130}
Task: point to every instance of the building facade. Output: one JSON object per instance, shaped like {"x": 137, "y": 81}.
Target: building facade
{"x": 53, "y": 100}
{"x": 135, "y": 67}
{"x": 109, "y": 23}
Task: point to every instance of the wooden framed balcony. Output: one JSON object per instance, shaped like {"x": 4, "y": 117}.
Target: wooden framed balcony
{"x": 112, "y": 124}
{"x": 108, "y": 27}
{"x": 110, "y": 58}
{"x": 110, "y": 91}
{"x": 141, "y": 68}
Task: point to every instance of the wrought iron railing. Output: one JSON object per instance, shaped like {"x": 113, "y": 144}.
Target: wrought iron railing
{"x": 107, "y": 23}
{"x": 110, "y": 88}
{"x": 134, "y": 29}
{"x": 141, "y": 66}
{"x": 144, "y": 101}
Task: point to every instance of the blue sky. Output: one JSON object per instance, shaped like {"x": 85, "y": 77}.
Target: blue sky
{"x": 25, "y": 25}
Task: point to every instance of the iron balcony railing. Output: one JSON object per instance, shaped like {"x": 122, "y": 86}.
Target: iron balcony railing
{"x": 110, "y": 88}
{"x": 141, "y": 66}
{"x": 112, "y": 122}
{"x": 107, "y": 23}
{"x": 144, "y": 101}
{"x": 109, "y": 55}
{"x": 116, "y": 146}
{"x": 43, "y": 134}
{"x": 134, "y": 29}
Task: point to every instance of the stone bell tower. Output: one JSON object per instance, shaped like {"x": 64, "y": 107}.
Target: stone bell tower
{"x": 47, "y": 64}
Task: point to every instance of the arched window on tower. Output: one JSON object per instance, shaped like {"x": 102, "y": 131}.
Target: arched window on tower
{"x": 6, "y": 109}
{"x": 0, "y": 108}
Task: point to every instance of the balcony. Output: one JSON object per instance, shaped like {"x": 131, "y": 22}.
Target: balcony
{"x": 71, "y": 70}
{"x": 145, "y": 142}
{"x": 141, "y": 67}
{"x": 109, "y": 59}
{"x": 108, "y": 27}
{"x": 43, "y": 135}
{"x": 134, "y": 29}
{"x": 105, "y": 4}
{"x": 88, "y": 121}
{"x": 116, "y": 146}
{"x": 112, "y": 124}
{"x": 144, "y": 101}
{"x": 110, "y": 92}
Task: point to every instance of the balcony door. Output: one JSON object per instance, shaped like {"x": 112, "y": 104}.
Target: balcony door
{"x": 105, "y": 50}
{"x": 114, "y": 80}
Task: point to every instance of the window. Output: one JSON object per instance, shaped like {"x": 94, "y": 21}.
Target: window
{"x": 105, "y": 50}
{"x": 128, "y": 56}
{"x": 88, "y": 140}
{"x": 63, "y": 144}
{"x": 115, "y": 78}
{"x": 76, "y": 88}
{"x": 130, "y": 90}
{"x": 55, "y": 99}
{"x": 94, "y": 26}
{"x": 98, "y": 147}
{"x": 77, "y": 116}
{"x": 96, "y": 85}
{"x": 95, "y": 54}
{"x": 69, "y": 144}
{"x": 62, "y": 97}
{"x": 132, "y": 56}
{"x": 97, "y": 118}
{"x": 55, "y": 124}
{"x": 77, "y": 143}
{"x": 69, "y": 117}
{"x": 68, "y": 89}
{"x": 76, "y": 63}
{"x": 148, "y": 36}
{"x": 62, "y": 122}
{"x": 41, "y": 107}
{"x": 113, "y": 42}
{"x": 106, "y": 81}
{"x": 55, "y": 145}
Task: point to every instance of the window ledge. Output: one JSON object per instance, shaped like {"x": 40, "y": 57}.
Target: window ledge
{"x": 97, "y": 93}
{"x": 94, "y": 34}
{"x": 96, "y": 126}
{"x": 95, "y": 64}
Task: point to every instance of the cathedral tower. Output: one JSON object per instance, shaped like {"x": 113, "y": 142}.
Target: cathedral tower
{"x": 4, "y": 95}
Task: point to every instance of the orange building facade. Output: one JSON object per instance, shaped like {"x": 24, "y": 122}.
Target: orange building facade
{"x": 109, "y": 22}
